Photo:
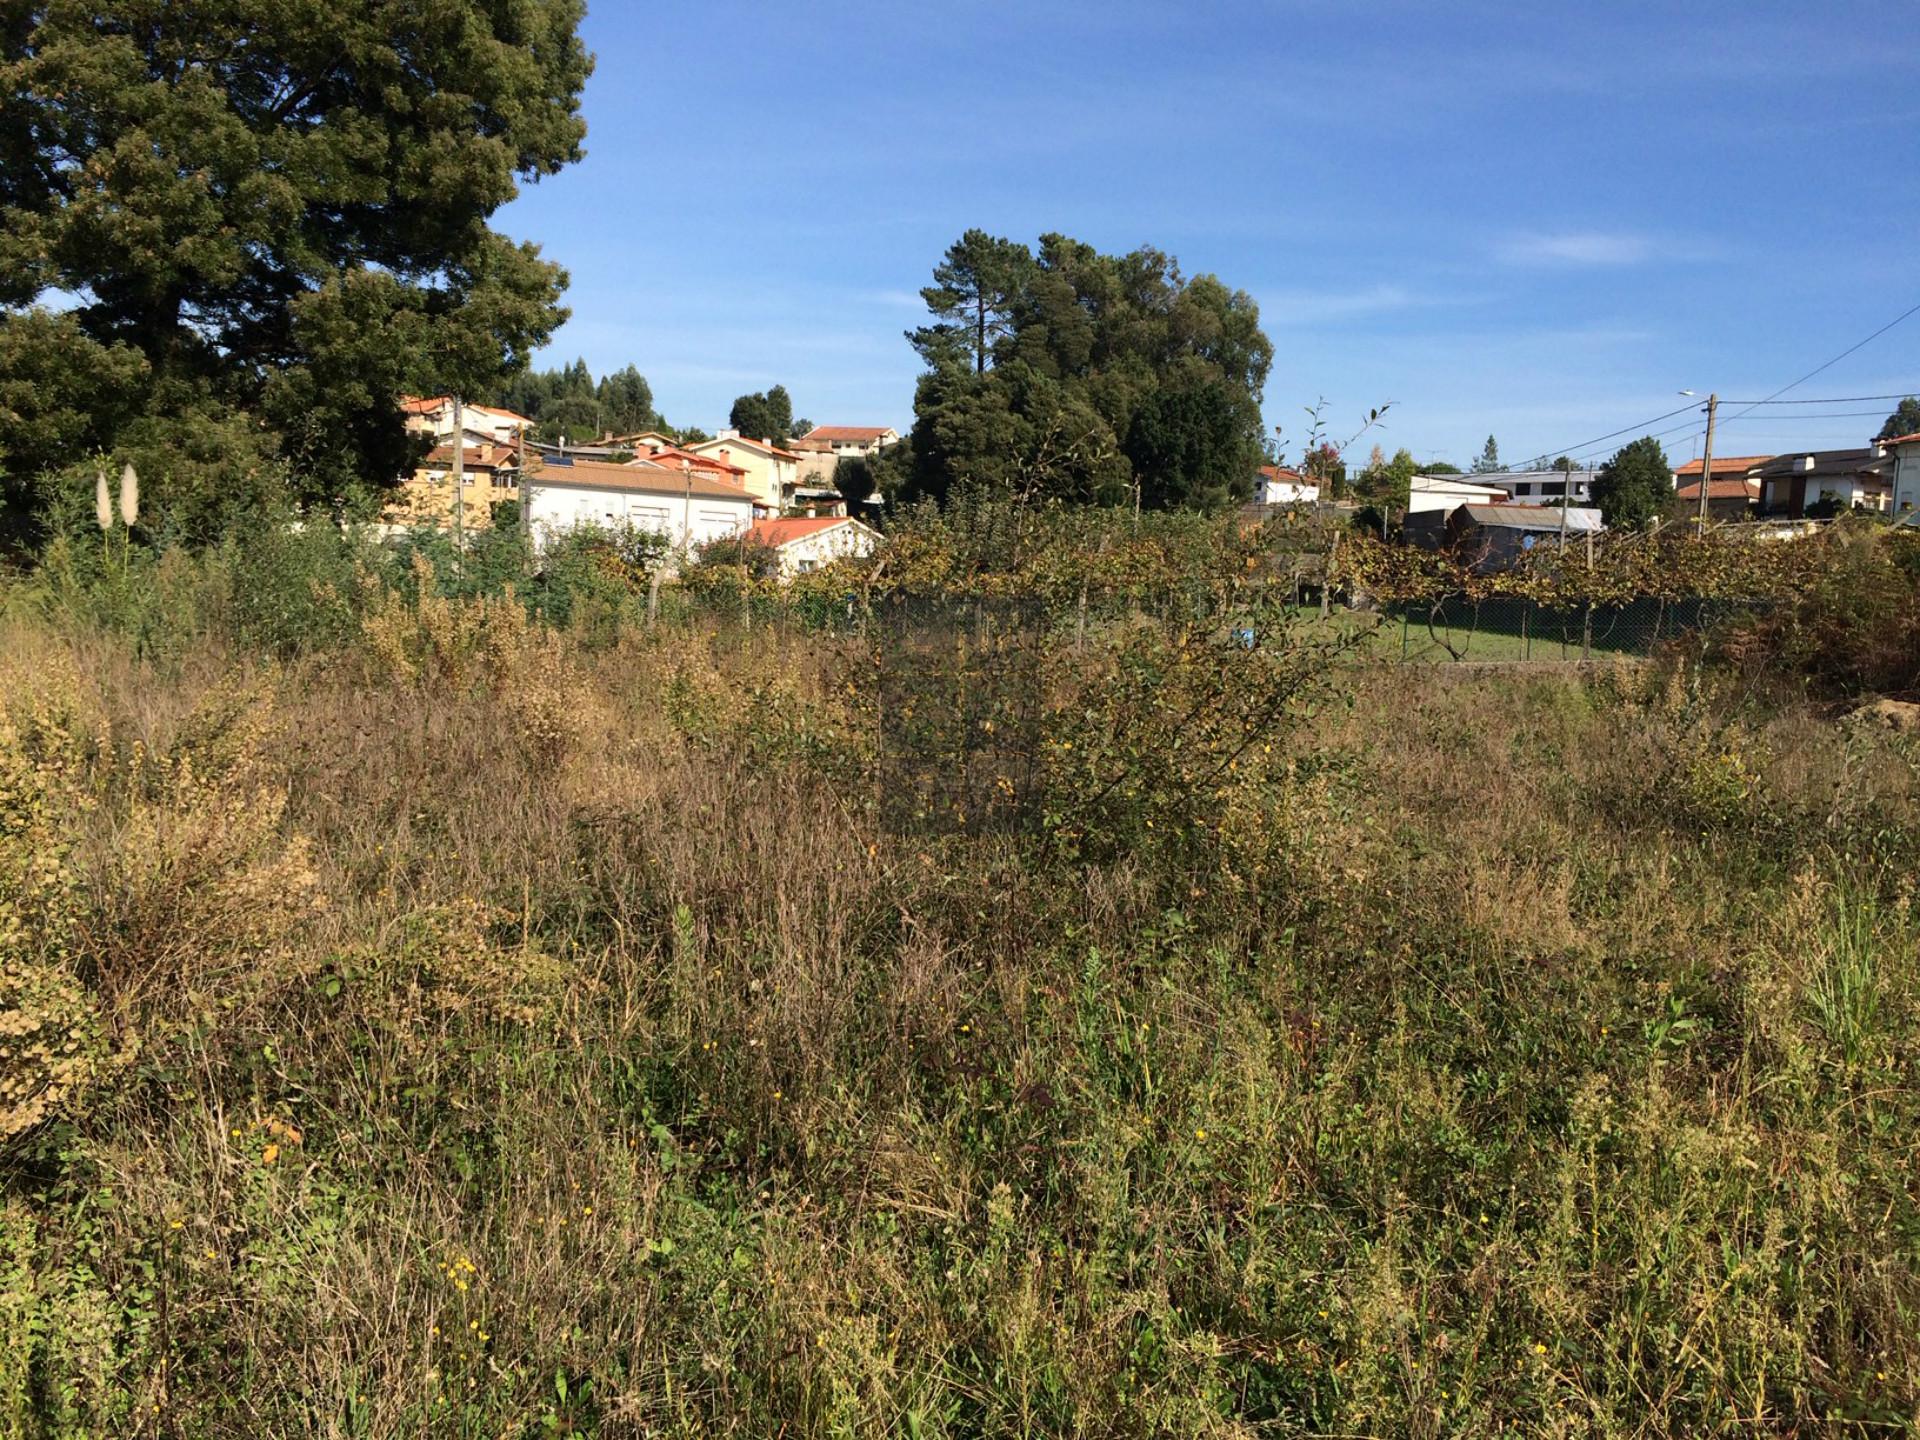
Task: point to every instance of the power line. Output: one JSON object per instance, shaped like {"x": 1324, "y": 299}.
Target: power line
{"x": 1829, "y": 400}
{"x": 1796, "y": 419}
{"x": 1568, "y": 450}
{"x": 1904, "y": 314}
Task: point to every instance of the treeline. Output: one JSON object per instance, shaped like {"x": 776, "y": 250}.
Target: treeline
{"x": 570, "y": 402}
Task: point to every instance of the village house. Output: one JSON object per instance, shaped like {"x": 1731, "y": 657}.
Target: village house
{"x": 1445, "y": 492}
{"x": 1905, "y": 498}
{"x": 822, "y": 449}
{"x": 1279, "y": 485}
{"x": 1498, "y": 537}
{"x": 672, "y": 456}
{"x": 1733, "y": 493}
{"x": 847, "y": 441}
{"x": 1540, "y": 485}
{"x": 1432, "y": 498}
{"x": 803, "y": 544}
{"x": 1734, "y": 498}
{"x": 771, "y": 473}
{"x": 1837, "y": 479}
{"x": 482, "y": 424}
{"x": 489, "y": 473}
{"x": 689, "y": 507}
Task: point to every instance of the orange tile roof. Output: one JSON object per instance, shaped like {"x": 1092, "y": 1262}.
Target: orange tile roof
{"x": 1283, "y": 474}
{"x": 1902, "y": 439}
{"x": 674, "y": 454}
{"x": 1736, "y": 464}
{"x": 474, "y": 457}
{"x": 1730, "y": 489}
{"x": 765, "y": 446}
{"x": 648, "y": 479}
{"x": 848, "y": 433}
{"x": 433, "y": 405}
{"x": 784, "y": 532}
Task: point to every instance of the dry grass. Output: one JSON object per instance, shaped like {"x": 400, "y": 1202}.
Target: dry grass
{"x": 479, "y": 1035}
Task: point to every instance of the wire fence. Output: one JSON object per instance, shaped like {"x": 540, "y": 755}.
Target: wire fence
{"x": 1510, "y": 628}
{"x": 1501, "y": 629}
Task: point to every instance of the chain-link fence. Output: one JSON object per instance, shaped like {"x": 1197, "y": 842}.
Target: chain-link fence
{"x": 1493, "y": 630}
{"x": 1510, "y": 628}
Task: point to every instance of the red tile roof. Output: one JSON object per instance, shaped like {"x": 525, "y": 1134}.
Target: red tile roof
{"x": 844, "y": 434}
{"x": 433, "y": 405}
{"x": 784, "y": 532}
{"x": 1283, "y": 474}
{"x": 1729, "y": 489}
{"x": 672, "y": 455}
{"x": 474, "y": 457}
{"x": 766, "y": 447}
{"x": 1725, "y": 464}
{"x": 1903, "y": 439}
{"x": 646, "y": 478}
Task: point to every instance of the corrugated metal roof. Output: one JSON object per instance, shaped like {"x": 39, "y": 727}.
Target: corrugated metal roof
{"x": 1575, "y": 519}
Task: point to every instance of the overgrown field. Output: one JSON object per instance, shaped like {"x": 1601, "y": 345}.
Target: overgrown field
{"x": 1127, "y": 1028}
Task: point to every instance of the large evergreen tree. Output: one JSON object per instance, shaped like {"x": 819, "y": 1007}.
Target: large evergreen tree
{"x": 1635, "y": 486}
{"x": 272, "y": 217}
{"x": 1074, "y": 375}
{"x": 767, "y": 416}
{"x": 1489, "y": 461}
{"x": 975, "y": 289}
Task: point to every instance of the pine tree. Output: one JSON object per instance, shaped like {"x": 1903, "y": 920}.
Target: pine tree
{"x": 274, "y": 217}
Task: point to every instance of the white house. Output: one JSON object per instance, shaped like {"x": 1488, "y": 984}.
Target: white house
{"x": 686, "y": 506}
{"x": 804, "y": 544}
{"x": 1278, "y": 485}
{"x": 482, "y": 424}
{"x": 1538, "y": 485}
{"x": 1846, "y": 478}
{"x": 771, "y": 473}
{"x": 846, "y": 440}
{"x": 1448, "y": 492}
{"x": 1905, "y": 450}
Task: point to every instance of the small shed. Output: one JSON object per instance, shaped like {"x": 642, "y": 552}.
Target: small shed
{"x": 1498, "y": 537}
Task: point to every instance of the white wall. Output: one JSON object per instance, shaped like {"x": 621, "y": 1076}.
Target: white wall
{"x": 553, "y": 508}
{"x": 1284, "y": 492}
{"x": 1906, "y": 479}
{"x": 1448, "y": 493}
{"x": 823, "y": 547}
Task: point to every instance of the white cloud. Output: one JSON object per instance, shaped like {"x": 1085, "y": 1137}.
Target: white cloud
{"x": 1310, "y": 307}
{"x": 1574, "y": 247}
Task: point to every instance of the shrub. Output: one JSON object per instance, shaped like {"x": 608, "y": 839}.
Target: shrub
{"x": 1854, "y": 627}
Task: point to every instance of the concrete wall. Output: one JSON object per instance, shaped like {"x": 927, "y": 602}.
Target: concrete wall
{"x": 811, "y": 552}
{"x": 555, "y": 508}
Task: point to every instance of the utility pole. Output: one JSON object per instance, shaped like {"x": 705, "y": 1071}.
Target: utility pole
{"x": 686, "y": 514}
{"x": 459, "y": 474}
{"x": 1706, "y": 460}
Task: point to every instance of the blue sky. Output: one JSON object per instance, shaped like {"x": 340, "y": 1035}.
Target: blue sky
{"x": 1538, "y": 221}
